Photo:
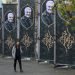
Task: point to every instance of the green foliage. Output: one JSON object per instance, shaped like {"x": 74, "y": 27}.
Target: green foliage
{"x": 66, "y": 10}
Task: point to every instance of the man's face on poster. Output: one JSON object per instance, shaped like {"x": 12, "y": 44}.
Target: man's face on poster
{"x": 49, "y": 6}
{"x": 27, "y": 12}
{"x": 10, "y": 17}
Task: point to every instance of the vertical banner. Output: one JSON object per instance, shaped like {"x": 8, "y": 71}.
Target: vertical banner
{"x": 65, "y": 32}
{"x": 0, "y": 30}
{"x": 27, "y": 27}
{"x": 47, "y": 30}
{"x": 9, "y": 23}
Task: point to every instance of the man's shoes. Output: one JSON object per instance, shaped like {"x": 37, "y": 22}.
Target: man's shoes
{"x": 21, "y": 70}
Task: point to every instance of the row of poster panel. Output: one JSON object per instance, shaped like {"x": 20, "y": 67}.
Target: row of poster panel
{"x": 9, "y": 27}
{"x": 64, "y": 31}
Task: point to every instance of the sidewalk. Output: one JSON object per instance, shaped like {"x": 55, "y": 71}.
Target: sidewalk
{"x": 32, "y": 68}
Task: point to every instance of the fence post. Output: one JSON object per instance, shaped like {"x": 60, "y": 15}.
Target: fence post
{"x": 55, "y": 32}
{"x": 18, "y": 19}
{"x": 2, "y": 30}
{"x": 38, "y": 32}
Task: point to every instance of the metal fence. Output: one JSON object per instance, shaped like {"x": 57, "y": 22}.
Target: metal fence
{"x": 50, "y": 36}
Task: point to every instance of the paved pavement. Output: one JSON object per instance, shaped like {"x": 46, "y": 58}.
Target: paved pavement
{"x": 32, "y": 68}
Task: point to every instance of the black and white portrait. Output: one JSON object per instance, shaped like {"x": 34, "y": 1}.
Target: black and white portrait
{"x": 47, "y": 13}
{"x": 9, "y": 23}
{"x": 27, "y": 19}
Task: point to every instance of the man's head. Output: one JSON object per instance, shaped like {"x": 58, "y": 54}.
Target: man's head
{"x": 49, "y": 6}
{"x": 18, "y": 43}
{"x": 27, "y": 12}
{"x": 10, "y": 17}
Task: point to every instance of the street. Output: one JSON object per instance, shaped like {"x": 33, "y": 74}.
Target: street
{"x": 32, "y": 68}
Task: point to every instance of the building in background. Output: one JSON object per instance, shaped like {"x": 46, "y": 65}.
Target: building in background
{"x": 8, "y": 1}
{"x": 0, "y": 3}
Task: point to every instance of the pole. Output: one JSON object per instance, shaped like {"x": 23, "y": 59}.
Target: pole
{"x": 2, "y": 30}
{"x": 55, "y": 33}
{"x": 38, "y": 31}
{"x": 18, "y": 19}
